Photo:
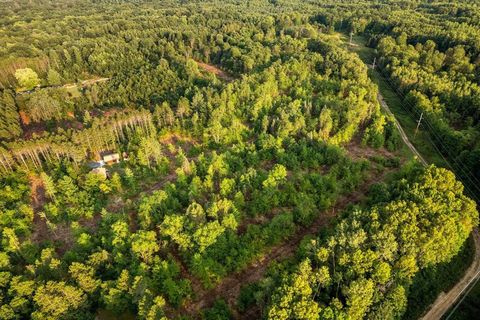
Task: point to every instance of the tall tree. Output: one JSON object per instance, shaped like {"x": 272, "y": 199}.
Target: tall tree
{"x": 27, "y": 78}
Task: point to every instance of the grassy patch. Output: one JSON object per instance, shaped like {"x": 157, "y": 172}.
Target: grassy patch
{"x": 428, "y": 283}
{"x": 358, "y": 45}
{"x": 74, "y": 92}
{"x": 421, "y": 140}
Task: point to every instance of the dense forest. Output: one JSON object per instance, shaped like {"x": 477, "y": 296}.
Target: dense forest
{"x": 230, "y": 159}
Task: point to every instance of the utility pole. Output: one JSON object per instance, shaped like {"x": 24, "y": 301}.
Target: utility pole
{"x": 374, "y": 60}
{"x": 418, "y": 125}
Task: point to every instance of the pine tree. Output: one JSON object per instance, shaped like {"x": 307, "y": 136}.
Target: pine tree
{"x": 49, "y": 185}
{"x": 9, "y": 118}
{"x": 53, "y": 78}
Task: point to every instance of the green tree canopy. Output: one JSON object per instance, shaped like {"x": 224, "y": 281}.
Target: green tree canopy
{"x": 27, "y": 78}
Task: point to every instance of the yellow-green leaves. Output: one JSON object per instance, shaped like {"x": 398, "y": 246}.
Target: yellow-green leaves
{"x": 294, "y": 299}
{"x": 27, "y": 78}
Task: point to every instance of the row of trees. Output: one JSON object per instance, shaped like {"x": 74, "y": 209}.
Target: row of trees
{"x": 443, "y": 87}
{"x": 262, "y": 159}
{"x": 364, "y": 268}
{"x": 9, "y": 118}
{"x": 103, "y": 134}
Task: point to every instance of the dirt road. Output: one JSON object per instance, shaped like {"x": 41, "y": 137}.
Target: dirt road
{"x": 400, "y": 130}
{"x": 84, "y": 83}
{"x": 446, "y": 300}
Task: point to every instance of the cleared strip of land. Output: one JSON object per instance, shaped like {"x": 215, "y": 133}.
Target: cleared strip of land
{"x": 401, "y": 131}
{"x": 230, "y": 287}
{"x": 447, "y": 300}
{"x": 216, "y": 71}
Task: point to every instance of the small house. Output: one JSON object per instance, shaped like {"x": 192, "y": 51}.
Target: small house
{"x": 111, "y": 158}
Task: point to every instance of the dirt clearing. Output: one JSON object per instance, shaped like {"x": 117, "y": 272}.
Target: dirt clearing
{"x": 229, "y": 288}
{"x": 216, "y": 71}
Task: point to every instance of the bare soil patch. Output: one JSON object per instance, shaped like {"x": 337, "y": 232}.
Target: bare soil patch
{"x": 357, "y": 151}
{"x": 37, "y": 200}
{"x": 41, "y": 232}
{"x": 176, "y": 139}
{"x": 229, "y": 288}
{"x": 216, "y": 71}
{"x": 37, "y": 194}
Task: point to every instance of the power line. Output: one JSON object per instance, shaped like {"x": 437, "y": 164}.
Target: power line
{"x": 470, "y": 288}
{"x": 414, "y": 109}
{"x": 465, "y": 171}
{"x": 466, "y": 290}
{"x": 459, "y": 168}
{"x": 418, "y": 125}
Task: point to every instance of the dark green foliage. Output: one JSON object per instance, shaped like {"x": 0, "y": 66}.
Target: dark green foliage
{"x": 468, "y": 309}
{"x": 231, "y": 120}
{"x": 247, "y": 296}
{"x": 350, "y": 272}
{"x": 9, "y": 118}
{"x": 219, "y": 311}
{"x": 428, "y": 283}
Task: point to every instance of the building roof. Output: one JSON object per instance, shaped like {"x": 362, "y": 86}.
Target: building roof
{"x": 96, "y": 164}
{"x": 111, "y": 157}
